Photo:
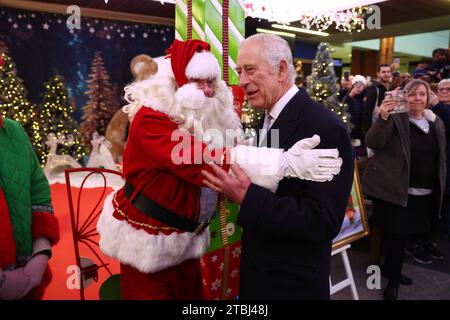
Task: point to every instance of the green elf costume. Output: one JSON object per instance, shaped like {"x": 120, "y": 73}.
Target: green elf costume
{"x": 28, "y": 227}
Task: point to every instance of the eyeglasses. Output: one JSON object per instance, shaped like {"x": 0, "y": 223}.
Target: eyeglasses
{"x": 444, "y": 89}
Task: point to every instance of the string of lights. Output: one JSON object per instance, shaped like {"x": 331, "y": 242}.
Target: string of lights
{"x": 321, "y": 84}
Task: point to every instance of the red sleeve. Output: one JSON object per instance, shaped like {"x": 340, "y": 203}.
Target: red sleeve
{"x": 176, "y": 150}
{"x": 45, "y": 225}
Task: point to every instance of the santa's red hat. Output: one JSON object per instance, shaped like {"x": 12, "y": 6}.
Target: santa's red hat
{"x": 192, "y": 59}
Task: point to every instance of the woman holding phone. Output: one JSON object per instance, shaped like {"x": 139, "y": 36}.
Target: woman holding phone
{"x": 406, "y": 176}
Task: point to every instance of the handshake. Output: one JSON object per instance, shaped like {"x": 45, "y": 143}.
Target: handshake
{"x": 267, "y": 166}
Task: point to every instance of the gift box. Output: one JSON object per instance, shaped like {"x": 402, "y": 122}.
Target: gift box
{"x": 220, "y": 272}
{"x": 220, "y": 265}
{"x": 223, "y": 228}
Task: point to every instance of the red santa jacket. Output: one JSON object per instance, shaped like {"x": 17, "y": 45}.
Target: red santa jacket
{"x": 148, "y": 162}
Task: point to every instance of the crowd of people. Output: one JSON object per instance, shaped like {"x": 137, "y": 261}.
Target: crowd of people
{"x": 365, "y": 95}
{"x": 178, "y": 158}
{"x": 401, "y": 127}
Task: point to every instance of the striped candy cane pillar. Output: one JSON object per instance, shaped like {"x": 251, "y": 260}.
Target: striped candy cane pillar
{"x": 213, "y": 28}
{"x": 236, "y": 34}
{"x": 190, "y": 19}
{"x": 198, "y": 19}
{"x": 181, "y": 20}
{"x": 221, "y": 23}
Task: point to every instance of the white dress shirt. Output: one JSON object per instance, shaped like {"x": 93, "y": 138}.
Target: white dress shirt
{"x": 272, "y": 115}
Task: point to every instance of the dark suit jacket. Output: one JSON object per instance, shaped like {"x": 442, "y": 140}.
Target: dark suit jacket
{"x": 287, "y": 236}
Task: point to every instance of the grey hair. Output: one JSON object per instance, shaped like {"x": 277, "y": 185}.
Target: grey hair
{"x": 274, "y": 50}
{"x": 442, "y": 82}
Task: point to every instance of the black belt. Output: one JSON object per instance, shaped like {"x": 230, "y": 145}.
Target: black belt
{"x": 163, "y": 215}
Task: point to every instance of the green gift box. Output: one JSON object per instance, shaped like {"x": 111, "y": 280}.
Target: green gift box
{"x": 223, "y": 228}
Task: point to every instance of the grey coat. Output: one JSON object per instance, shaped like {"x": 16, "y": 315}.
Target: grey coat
{"x": 386, "y": 177}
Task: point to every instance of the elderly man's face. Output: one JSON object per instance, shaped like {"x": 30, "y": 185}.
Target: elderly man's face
{"x": 206, "y": 85}
{"x": 444, "y": 93}
{"x": 257, "y": 77}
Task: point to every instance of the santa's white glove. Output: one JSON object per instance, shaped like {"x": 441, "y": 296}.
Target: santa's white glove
{"x": 304, "y": 162}
{"x": 267, "y": 166}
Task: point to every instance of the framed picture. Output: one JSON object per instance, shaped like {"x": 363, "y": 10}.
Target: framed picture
{"x": 355, "y": 225}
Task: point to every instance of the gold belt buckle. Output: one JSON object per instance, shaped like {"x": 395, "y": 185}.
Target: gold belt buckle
{"x": 201, "y": 227}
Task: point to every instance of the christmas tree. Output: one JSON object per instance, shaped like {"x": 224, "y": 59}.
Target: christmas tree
{"x": 321, "y": 84}
{"x": 56, "y": 117}
{"x": 13, "y": 100}
{"x": 102, "y": 104}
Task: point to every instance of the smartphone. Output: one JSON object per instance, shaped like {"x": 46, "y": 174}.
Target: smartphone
{"x": 398, "y": 96}
{"x": 346, "y": 75}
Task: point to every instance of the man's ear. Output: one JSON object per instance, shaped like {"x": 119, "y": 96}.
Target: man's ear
{"x": 283, "y": 70}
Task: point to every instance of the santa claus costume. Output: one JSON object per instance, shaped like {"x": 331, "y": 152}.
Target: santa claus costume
{"x": 156, "y": 225}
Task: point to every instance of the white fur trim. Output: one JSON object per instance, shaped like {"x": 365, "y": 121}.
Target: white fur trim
{"x": 164, "y": 67}
{"x": 263, "y": 166}
{"x": 145, "y": 252}
{"x": 203, "y": 65}
{"x": 429, "y": 115}
{"x": 190, "y": 97}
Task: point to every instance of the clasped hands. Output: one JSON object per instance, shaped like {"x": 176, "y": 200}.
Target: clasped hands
{"x": 301, "y": 161}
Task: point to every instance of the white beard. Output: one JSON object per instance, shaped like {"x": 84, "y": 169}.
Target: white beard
{"x": 211, "y": 120}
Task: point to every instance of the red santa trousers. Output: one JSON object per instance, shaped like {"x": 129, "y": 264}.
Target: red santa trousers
{"x": 180, "y": 282}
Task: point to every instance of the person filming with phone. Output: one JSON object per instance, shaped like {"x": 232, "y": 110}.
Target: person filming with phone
{"x": 406, "y": 176}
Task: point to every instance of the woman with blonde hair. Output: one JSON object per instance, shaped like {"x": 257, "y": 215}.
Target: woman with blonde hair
{"x": 406, "y": 176}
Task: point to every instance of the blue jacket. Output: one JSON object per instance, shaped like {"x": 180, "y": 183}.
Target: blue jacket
{"x": 355, "y": 109}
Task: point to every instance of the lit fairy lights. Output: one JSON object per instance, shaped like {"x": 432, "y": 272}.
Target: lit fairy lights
{"x": 56, "y": 117}
{"x": 321, "y": 84}
{"x": 13, "y": 100}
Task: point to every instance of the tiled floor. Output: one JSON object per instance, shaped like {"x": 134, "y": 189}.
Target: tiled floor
{"x": 431, "y": 282}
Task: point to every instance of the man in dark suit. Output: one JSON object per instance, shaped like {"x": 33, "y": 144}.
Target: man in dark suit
{"x": 287, "y": 235}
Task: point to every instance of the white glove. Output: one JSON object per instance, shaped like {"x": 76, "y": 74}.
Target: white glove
{"x": 304, "y": 162}
{"x": 267, "y": 166}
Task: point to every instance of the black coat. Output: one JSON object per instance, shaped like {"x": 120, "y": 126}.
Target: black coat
{"x": 443, "y": 111}
{"x": 370, "y": 98}
{"x": 287, "y": 236}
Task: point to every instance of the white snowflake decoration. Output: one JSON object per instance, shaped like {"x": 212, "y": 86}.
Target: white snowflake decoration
{"x": 216, "y": 284}
{"x": 236, "y": 252}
